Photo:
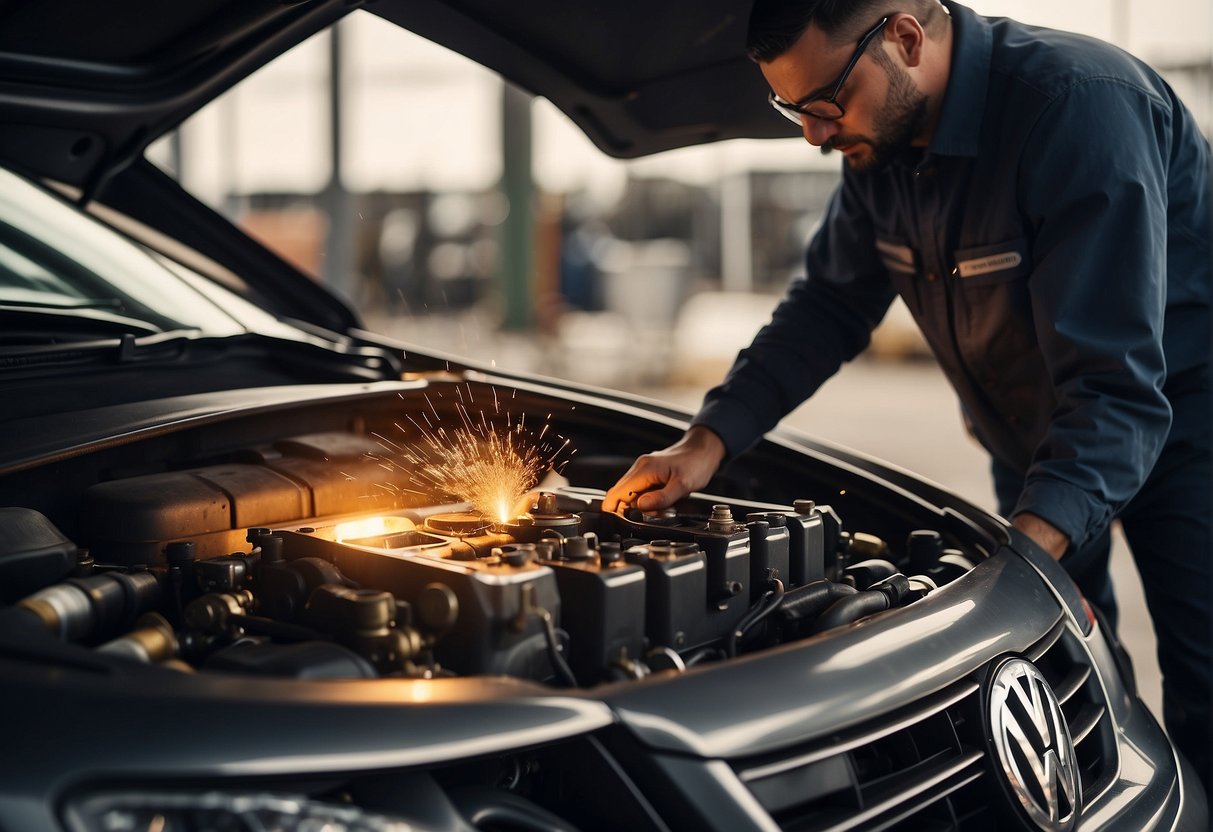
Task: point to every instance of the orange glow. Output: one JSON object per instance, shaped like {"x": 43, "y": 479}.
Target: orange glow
{"x": 371, "y": 527}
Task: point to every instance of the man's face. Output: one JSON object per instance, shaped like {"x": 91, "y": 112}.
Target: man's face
{"x": 883, "y": 108}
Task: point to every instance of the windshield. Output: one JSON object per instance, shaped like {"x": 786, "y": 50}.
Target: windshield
{"x": 55, "y": 257}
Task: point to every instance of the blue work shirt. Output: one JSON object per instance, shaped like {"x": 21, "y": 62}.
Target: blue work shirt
{"x": 1052, "y": 243}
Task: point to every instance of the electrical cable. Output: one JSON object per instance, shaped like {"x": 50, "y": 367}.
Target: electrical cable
{"x": 702, "y": 655}
{"x": 554, "y": 650}
{"x": 767, "y": 604}
{"x": 259, "y": 625}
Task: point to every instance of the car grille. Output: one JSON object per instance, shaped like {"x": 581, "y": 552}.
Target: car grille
{"x": 928, "y": 767}
{"x": 1065, "y": 663}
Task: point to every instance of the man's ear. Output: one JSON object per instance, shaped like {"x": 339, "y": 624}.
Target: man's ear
{"x": 909, "y": 36}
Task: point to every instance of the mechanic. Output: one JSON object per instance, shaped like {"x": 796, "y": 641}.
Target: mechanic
{"x": 1040, "y": 201}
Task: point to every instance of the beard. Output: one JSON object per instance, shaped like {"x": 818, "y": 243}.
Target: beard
{"x": 896, "y": 124}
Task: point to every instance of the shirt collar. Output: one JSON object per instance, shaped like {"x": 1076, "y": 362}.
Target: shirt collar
{"x": 959, "y": 129}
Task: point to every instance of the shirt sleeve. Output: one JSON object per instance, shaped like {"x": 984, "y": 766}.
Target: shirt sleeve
{"x": 1093, "y": 185}
{"x": 825, "y": 318}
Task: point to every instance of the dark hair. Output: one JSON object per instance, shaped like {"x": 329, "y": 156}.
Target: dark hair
{"x": 777, "y": 24}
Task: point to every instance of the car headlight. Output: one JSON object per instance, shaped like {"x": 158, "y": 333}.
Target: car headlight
{"x": 140, "y": 811}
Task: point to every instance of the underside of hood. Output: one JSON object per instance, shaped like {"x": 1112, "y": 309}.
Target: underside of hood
{"x": 86, "y": 86}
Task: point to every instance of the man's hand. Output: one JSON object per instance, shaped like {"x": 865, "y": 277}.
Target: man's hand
{"x": 1043, "y": 533}
{"x": 660, "y": 479}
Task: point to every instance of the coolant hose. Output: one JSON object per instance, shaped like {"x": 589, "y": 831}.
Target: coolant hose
{"x": 867, "y": 572}
{"x": 848, "y": 609}
{"x": 808, "y": 601}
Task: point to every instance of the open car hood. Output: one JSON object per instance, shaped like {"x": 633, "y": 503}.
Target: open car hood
{"x": 85, "y": 87}
{"x": 640, "y": 77}
{"x": 80, "y": 101}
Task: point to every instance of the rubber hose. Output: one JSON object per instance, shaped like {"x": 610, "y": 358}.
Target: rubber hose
{"x": 812, "y": 599}
{"x": 871, "y": 571}
{"x": 851, "y": 608}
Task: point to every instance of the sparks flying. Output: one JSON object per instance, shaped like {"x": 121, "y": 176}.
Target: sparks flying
{"x": 490, "y": 460}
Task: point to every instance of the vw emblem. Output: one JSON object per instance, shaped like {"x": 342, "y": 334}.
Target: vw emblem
{"x": 1033, "y": 744}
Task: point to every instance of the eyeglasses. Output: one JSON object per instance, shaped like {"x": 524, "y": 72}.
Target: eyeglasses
{"x": 825, "y": 108}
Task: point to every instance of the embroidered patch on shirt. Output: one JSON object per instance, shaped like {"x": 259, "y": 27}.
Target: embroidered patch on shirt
{"x": 896, "y": 258}
{"x": 991, "y": 263}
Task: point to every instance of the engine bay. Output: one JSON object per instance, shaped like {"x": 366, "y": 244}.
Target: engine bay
{"x": 411, "y": 599}
{"x": 318, "y": 556}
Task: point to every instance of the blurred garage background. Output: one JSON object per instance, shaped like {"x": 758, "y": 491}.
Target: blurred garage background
{"x": 459, "y": 213}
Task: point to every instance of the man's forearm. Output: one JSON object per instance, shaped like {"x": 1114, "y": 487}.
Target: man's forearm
{"x": 1043, "y": 533}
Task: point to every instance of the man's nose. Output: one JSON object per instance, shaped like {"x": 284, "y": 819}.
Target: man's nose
{"x": 817, "y": 131}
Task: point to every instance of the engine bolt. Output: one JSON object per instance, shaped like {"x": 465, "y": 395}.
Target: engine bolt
{"x": 721, "y": 519}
